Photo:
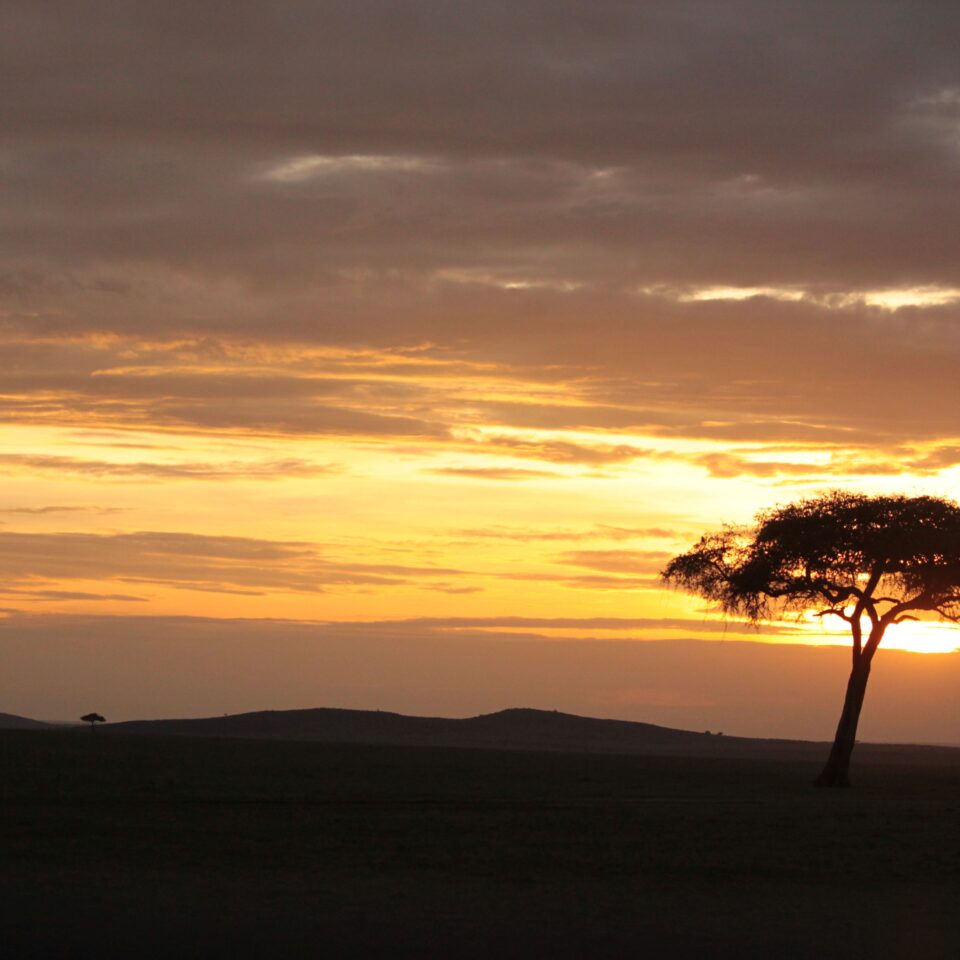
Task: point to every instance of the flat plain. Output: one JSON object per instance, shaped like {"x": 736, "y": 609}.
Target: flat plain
{"x": 132, "y": 845}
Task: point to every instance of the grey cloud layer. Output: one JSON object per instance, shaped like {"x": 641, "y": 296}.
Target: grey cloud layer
{"x": 690, "y": 82}
{"x": 531, "y": 184}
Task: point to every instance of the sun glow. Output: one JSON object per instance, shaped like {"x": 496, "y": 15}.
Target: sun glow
{"x": 915, "y": 636}
{"x": 921, "y": 637}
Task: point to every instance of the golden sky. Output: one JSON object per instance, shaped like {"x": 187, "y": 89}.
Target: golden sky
{"x": 468, "y": 314}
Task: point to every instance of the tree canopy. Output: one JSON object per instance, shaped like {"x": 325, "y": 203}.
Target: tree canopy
{"x": 885, "y": 557}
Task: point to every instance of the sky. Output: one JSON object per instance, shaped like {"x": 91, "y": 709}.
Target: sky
{"x": 388, "y": 348}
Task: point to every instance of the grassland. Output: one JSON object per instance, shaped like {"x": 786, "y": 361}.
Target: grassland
{"x": 158, "y": 846}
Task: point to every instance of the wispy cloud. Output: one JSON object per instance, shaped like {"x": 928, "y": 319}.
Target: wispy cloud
{"x": 58, "y": 596}
{"x": 491, "y": 473}
{"x": 560, "y": 451}
{"x": 618, "y": 561}
{"x": 43, "y": 511}
{"x": 192, "y": 561}
{"x": 598, "y": 532}
{"x": 126, "y": 470}
{"x": 588, "y": 581}
{"x": 617, "y": 624}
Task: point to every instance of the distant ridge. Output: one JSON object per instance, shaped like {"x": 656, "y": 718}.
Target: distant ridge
{"x": 10, "y": 721}
{"x": 514, "y": 729}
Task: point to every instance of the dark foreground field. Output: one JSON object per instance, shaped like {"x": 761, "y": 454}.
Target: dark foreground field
{"x": 156, "y": 846}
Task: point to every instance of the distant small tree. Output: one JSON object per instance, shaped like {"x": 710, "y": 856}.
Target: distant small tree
{"x": 873, "y": 562}
{"x": 93, "y": 719}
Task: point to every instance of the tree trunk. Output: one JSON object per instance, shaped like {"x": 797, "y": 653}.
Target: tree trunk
{"x": 837, "y": 771}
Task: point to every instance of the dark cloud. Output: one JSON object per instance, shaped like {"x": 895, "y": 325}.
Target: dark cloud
{"x": 760, "y": 85}
{"x": 530, "y": 187}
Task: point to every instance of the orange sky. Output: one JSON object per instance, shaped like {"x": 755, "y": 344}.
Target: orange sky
{"x": 476, "y": 313}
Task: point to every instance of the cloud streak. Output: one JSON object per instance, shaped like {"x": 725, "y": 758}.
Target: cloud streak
{"x": 145, "y": 470}
{"x": 225, "y": 564}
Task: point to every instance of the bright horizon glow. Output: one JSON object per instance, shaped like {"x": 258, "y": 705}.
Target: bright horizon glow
{"x": 912, "y": 636}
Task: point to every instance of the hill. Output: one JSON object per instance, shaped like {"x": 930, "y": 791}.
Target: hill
{"x": 514, "y": 729}
{"x": 10, "y": 721}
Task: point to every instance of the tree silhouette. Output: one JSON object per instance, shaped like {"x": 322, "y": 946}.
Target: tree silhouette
{"x": 93, "y": 719}
{"x": 871, "y": 561}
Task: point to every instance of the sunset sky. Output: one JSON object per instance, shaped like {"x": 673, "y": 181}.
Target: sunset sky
{"x": 380, "y": 354}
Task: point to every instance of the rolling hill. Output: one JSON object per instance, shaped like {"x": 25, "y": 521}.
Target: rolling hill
{"x": 9, "y": 721}
{"x": 514, "y": 729}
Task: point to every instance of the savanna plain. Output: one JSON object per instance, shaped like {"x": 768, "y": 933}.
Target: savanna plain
{"x": 118, "y": 845}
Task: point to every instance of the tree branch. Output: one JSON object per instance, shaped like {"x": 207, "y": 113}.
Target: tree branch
{"x": 922, "y": 601}
{"x": 865, "y": 603}
{"x": 834, "y": 612}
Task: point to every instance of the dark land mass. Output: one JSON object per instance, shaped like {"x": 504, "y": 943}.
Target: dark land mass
{"x": 126, "y": 845}
{"x": 10, "y": 721}
{"x": 516, "y": 729}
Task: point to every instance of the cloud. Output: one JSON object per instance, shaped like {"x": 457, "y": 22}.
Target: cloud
{"x": 619, "y": 624}
{"x": 490, "y": 473}
{"x": 589, "y": 581}
{"x": 203, "y": 387}
{"x": 451, "y": 588}
{"x": 562, "y": 226}
{"x": 618, "y": 561}
{"x": 60, "y": 595}
{"x": 692, "y": 102}
{"x": 121, "y": 470}
{"x": 43, "y": 511}
{"x": 223, "y": 564}
{"x": 897, "y": 461}
{"x": 599, "y": 532}
{"x": 559, "y": 451}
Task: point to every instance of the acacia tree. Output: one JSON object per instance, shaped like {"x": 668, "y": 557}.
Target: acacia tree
{"x": 93, "y": 719}
{"x": 873, "y": 562}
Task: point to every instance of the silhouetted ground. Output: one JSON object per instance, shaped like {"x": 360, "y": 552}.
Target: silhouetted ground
{"x": 138, "y": 846}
